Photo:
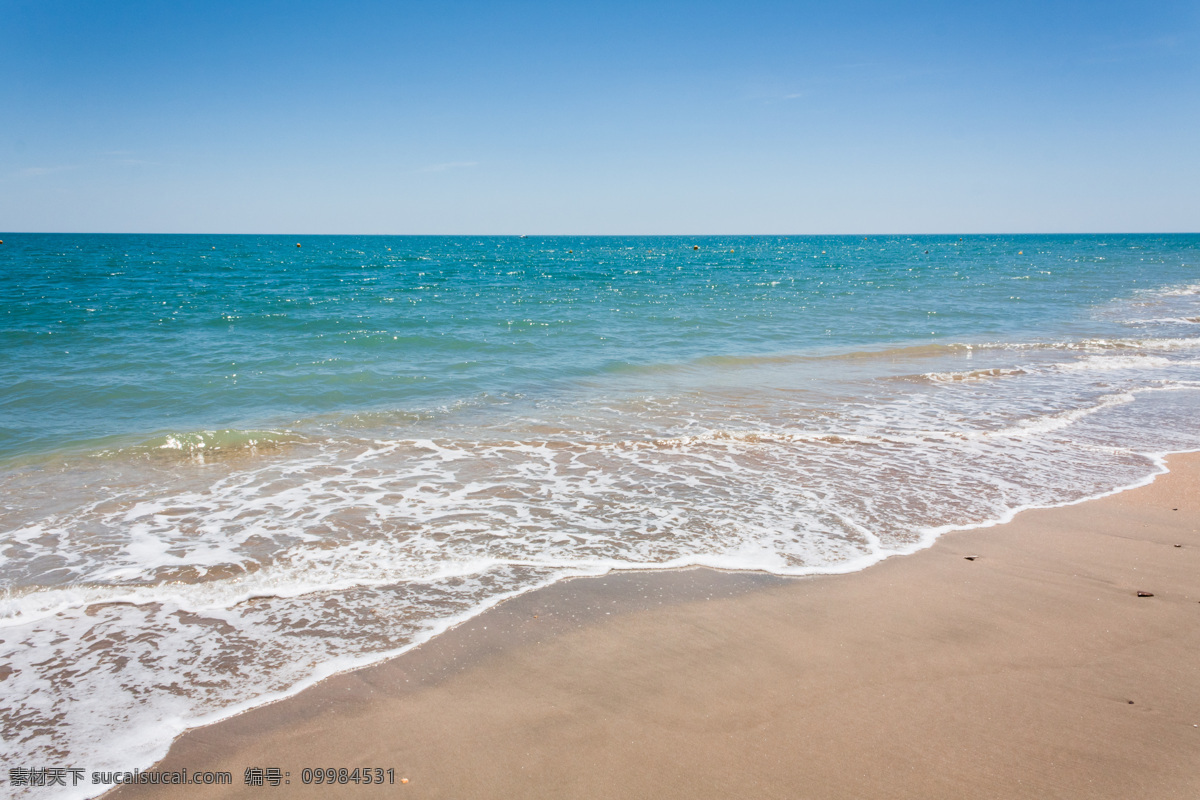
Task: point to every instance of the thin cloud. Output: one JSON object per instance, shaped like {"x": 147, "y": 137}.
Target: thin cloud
{"x": 448, "y": 165}
{"x": 127, "y": 158}
{"x": 33, "y": 172}
{"x": 1165, "y": 42}
{"x": 1135, "y": 49}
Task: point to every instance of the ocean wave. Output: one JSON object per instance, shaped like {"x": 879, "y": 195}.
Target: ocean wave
{"x": 1181, "y": 291}
{"x": 941, "y": 350}
{"x": 1164, "y": 321}
{"x": 974, "y": 374}
{"x": 377, "y": 512}
{"x": 218, "y": 441}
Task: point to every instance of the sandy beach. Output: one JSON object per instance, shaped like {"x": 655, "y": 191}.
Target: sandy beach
{"x": 1014, "y": 661}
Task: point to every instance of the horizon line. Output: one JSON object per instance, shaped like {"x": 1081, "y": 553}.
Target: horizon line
{"x": 595, "y": 235}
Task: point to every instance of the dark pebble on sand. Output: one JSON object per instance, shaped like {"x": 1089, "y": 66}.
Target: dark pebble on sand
{"x": 1145, "y": 594}
{"x": 970, "y": 558}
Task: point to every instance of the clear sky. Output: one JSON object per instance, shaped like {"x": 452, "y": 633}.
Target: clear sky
{"x": 588, "y": 117}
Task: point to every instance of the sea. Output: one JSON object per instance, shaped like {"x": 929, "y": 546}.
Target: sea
{"x": 233, "y": 465}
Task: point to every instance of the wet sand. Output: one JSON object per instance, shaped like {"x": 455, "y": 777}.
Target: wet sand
{"x": 1034, "y": 670}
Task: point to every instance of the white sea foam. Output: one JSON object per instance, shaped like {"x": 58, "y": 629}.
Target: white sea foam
{"x": 1181, "y": 291}
{"x": 1166, "y": 321}
{"x": 1109, "y": 362}
{"x": 1101, "y": 345}
{"x": 975, "y": 374}
{"x": 362, "y": 542}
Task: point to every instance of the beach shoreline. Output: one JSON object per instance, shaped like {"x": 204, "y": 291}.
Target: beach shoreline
{"x": 1034, "y": 669}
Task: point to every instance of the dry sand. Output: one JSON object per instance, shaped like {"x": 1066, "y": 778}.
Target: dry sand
{"x": 1033, "y": 671}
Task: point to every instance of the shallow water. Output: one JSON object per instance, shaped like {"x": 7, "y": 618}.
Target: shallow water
{"x": 230, "y": 465}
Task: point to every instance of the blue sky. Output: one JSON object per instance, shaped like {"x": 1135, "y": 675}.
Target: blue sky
{"x": 650, "y": 117}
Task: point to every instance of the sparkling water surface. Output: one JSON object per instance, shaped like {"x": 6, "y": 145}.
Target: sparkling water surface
{"x": 230, "y": 465}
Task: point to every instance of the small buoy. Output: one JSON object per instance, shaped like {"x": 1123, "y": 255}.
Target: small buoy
{"x": 570, "y": 251}
{"x": 695, "y": 247}
{"x": 214, "y": 248}
{"x": 1020, "y": 252}
{"x": 297, "y": 244}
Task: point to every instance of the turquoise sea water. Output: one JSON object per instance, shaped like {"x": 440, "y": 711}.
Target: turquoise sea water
{"x": 222, "y": 450}
{"x": 128, "y": 336}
